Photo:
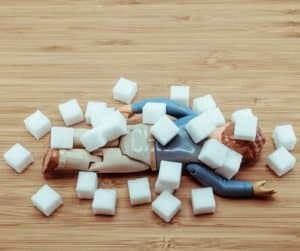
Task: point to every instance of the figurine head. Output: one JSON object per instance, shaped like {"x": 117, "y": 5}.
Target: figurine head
{"x": 249, "y": 150}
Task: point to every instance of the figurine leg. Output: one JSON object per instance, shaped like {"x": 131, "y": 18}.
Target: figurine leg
{"x": 107, "y": 160}
{"x": 114, "y": 161}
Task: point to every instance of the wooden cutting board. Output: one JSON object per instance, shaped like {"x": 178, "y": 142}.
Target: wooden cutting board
{"x": 245, "y": 53}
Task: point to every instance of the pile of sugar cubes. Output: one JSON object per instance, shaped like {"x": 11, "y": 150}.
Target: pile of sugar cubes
{"x": 108, "y": 124}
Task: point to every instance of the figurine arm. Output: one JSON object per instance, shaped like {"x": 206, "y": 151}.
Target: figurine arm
{"x": 227, "y": 188}
{"x": 173, "y": 108}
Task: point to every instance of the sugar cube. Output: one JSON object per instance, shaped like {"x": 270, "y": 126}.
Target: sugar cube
{"x": 166, "y": 206}
{"x": 105, "y": 201}
{"x": 99, "y": 118}
{"x": 164, "y": 130}
{"x": 87, "y": 184}
{"x": 204, "y": 103}
{"x": 203, "y": 201}
{"x": 169, "y": 176}
{"x": 284, "y": 135}
{"x": 245, "y": 129}
{"x": 62, "y": 137}
{"x": 200, "y": 128}
{"x": 71, "y": 112}
{"x": 37, "y": 124}
{"x": 159, "y": 188}
{"x": 93, "y": 139}
{"x": 47, "y": 200}
{"x": 231, "y": 165}
{"x": 281, "y": 161}
{"x": 139, "y": 191}
{"x": 213, "y": 153}
{"x": 215, "y": 116}
{"x": 113, "y": 126}
{"x": 94, "y": 108}
{"x": 18, "y": 157}
{"x": 152, "y": 112}
{"x": 125, "y": 90}
{"x": 242, "y": 114}
{"x": 180, "y": 94}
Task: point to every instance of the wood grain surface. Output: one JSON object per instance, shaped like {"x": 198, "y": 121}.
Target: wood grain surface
{"x": 245, "y": 53}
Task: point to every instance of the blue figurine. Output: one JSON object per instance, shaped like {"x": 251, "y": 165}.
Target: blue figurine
{"x": 139, "y": 151}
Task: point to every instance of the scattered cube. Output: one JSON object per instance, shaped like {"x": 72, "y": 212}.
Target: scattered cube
{"x": 215, "y": 116}
{"x": 113, "y": 126}
{"x": 47, "y": 200}
{"x": 281, "y": 161}
{"x": 231, "y": 165}
{"x": 18, "y": 157}
{"x": 99, "y": 118}
{"x": 37, "y": 124}
{"x": 164, "y": 130}
{"x": 152, "y": 112}
{"x": 94, "y": 108}
{"x": 139, "y": 191}
{"x": 125, "y": 90}
{"x": 180, "y": 94}
{"x": 246, "y": 129}
{"x": 213, "y": 153}
{"x": 202, "y": 104}
{"x": 203, "y": 201}
{"x": 166, "y": 206}
{"x": 87, "y": 184}
{"x": 62, "y": 137}
{"x": 105, "y": 201}
{"x": 200, "y": 128}
{"x": 93, "y": 139}
{"x": 284, "y": 135}
{"x": 159, "y": 188}
{"x": 71, "y": 112}
{"x": 169, "y": 176}
{"x": 242, "y": 114}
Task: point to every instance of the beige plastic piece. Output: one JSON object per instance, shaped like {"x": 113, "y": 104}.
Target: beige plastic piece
{"x": 77, "y": 159}
{"x": 113, "y": 161}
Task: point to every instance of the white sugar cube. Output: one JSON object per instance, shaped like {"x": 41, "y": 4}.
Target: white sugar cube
{"x": 215, "y": 116}
{"x": 87, "y": 184}
{"x": 159, "y": 188}
{"x": 18, "y": 157}
{"x": 37, "y": 124}
{"x": 180, "y": 94}
{"x": 213, "y": 153}
{"x": 242, "y": 114}
{"x": 113, "y": 126}
{"x": 93, "y": 139}
{"x": 200, "y": 128}
{"x": 166, "y": 206}
{"x": 105, "y": 201}
{"x": 169, "y": 176}
{"x": 99, "y": 118}
{"x": 62, "y": 137}
{"x": 281, "y": 161}
{"x": 94, "y": 108}
{"x": 152, "y": 112}
{"x": 232, "y": 164}
{"x": 246, "y": 129}
{"x": 284, "y": 135}
{"x": 47, "y": 200}
{"x": 164, "y": 130}
{"x": 125, "y": 90}
{"x": 71, "y": 112}
{"x": 204, "y": 103}
{"x": 203, "y": 201}
{"x": 139, "y": 191}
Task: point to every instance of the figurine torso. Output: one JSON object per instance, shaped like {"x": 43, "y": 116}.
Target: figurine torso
{"x": 181, "y": 149}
